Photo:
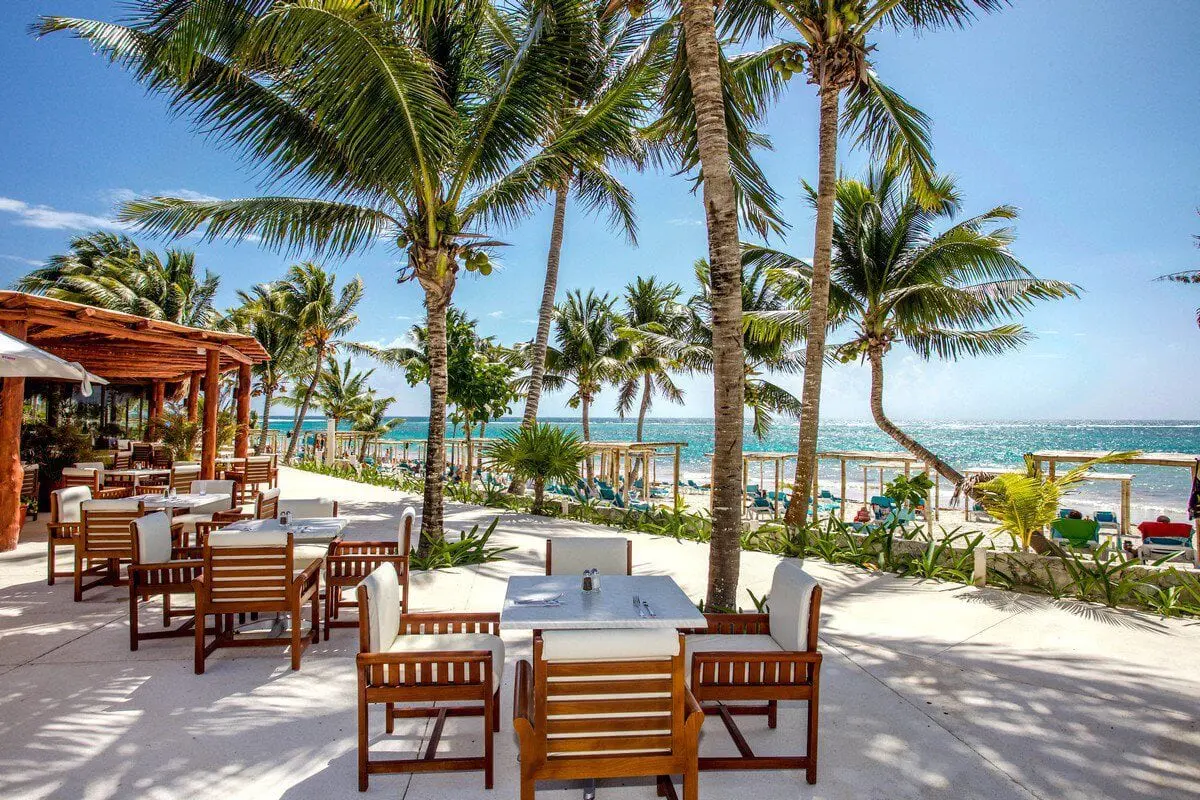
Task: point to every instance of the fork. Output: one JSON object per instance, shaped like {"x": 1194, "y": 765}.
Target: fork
{"x": 637, "y": 603}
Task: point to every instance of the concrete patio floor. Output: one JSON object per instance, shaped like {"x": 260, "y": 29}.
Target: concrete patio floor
{"x": 928, "y": 690}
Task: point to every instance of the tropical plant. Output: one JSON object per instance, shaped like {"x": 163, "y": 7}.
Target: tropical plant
{"x": 262, "y": 314}
{"x": 829, "y": 40}
{"x": 910, "y": 492}
{"x": 897, "y": 279}
{"x": 1025, "y": 503}
{"x": 949, "y": 556}
{"x": 372, "y": 422}
{"x": 470, "y": 549}
{"x": 589, "y": 354}
{"x": 1105, "y": 575}
{"x": 112, "y": 272}
{"x": 541, "y": 453}
{"x": 408, "y": 123}
{"x": 179, "y": 434}
{"x": 768, "y": 348}
{"x": 654, "y": 320}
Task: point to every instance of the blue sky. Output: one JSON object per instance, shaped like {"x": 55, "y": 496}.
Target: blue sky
{"x": 1083, "y": 113}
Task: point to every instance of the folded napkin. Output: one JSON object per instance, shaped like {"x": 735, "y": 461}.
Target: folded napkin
{"x": 544, "y": 599}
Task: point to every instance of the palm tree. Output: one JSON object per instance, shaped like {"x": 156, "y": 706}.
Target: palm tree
{"x": 654, "y": 320}
{"x": 372, "y": 421}
{"x": 769, "y": 347}
{"x": 262, "y": 314}
{"x": 342, "y": 394}
{"x": 111, "y": 271}
{"x": 321, "y": 315}
{"x": 831, "y": 43}
{"x": 542, "y": 453}
{"x": 613, "y": 77}
{"x": 1188, "y": 276}
{"x": 896, "y": 280}
{"x": 589, "y": 354}
{"x": 397, "y": 117}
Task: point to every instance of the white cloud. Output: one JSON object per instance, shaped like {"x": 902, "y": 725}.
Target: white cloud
{"x": 49, "y": 218}
{"x": 495, "y": 314}
{"x": 529, "y": 321}
{"x": 683, "y": 222}
{"x": 400, "y": 341}
{"x": 22, "y": 260}
{"x": 404, "y": 317}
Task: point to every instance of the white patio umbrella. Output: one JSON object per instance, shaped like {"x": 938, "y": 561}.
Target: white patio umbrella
{"x": 20, "y": 359}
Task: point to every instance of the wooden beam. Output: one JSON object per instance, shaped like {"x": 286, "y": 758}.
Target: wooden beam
{"x": 241, "y": 444}
{"x": 193, "y": 397}
{"x": 157, "y": 337}
{"x": 212, "y": 401}
{"x": 12, "y": 396}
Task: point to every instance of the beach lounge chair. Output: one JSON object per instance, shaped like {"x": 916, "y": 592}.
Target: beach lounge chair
{"x": 1076, "y": 532}
{"x": 1161, "y": 539}
{"x": 1107, "y": 519}
{"x": 606, "y": 704}
{"x": 762, "y": 505}
{"x": 1065, "y": 513}
{"x": 745, "y": 664}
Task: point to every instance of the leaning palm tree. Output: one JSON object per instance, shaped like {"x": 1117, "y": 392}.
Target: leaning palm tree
{"x": 830, "y": 42}
{"x": 398, "y": 119}
{"x": 262, "y": 314}
{"x": 654, "y": 320}
{"x": 111, "y": 271}
{"x": 770, "y": 348}
{"x": 897, "y": 280}
{"x": 589, "y": 355}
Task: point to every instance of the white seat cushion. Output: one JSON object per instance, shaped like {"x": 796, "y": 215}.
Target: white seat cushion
{"x": 454, "y": 642}
{"x": 305, "y": 554}
{"x": 622, "y": 644}
{"x": 725, "y": 642}
{"x": 189, "y": 520}
{"x": 788, "y": 604}
{"x": 609, "y": 554}
{"x": 69, "y": 502}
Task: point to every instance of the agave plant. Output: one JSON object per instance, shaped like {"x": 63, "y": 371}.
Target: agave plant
{"x": 539, "y": 452}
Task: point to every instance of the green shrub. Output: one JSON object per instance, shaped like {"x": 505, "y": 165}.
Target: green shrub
{"x": 469, "y": 549}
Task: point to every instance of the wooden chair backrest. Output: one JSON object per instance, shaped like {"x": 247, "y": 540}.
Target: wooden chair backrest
{"x": 612, "y": 555}
{"x": 162, "y": 458}
{"x": 72, "y": 498}
{"x": 626, "y": 709}
{"x": 29, "y": 480}
{"x": 90, "y": 478}
{"x": 122, "y": 459}
{"x": 104, "y": 530}
{"x": 182, "y": 478}
{"x": 258, "y": 469}
{"x": 253, "y": 577}
{"x": 266, "y": 506}
{"x": 142, "y": 453}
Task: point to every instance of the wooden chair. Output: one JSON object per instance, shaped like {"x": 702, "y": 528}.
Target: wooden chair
{"x": 254, "y": 572}
{"x": 612, "y": 555}
{"x": 104, "y": 542}
{"x": 189, "y": 522}
{"x": 63, "y": 527}
{"x": 160, "y": 568}
{"x": 348, "y": 563}
{"x": 93, "y": 479}
{"x": 141, "y": 454}
{"x": 96, "y": 465}
{"x": 161, "y": 457}
{"x": 606, "y": 704}
{"x": 123, "y": 459}
{"x": 256, "y": 471}
{"x": 182, "y": 477}
{"x": 424, "y": 658}
{"x": 29, "y": 489}
{"x": 755, "y": 660}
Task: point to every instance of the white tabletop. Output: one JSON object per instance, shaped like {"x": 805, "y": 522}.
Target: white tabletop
{"x": 308, "y": 529}
{"x": 200, "y": 503}
{"x": 610, "y": 607}
{"x": 144, "y": 472}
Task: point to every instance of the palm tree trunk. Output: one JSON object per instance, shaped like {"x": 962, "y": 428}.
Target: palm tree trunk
{"x": 303, "y": 410}
{"x": 818, "y": 312}
{"x": 268, "y": 396}
{"x": 435, "y": 445}
{"x": 537, "y": 359}
{"x": 585, "y": 402}
{"x": 539, "y": 494}
{"x": 537, "y": 369}
{"x": 720, "y": 211}
{"x": 875, "y": 354}
{"x": 647, "y": 389}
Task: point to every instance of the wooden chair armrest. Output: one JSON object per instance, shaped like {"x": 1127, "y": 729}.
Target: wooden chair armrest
{"x": 187, "y": 554}
{"x": 232, "y": 515}
{"x": 690, "y": 704}
{"x": 757, "y": 656}
{"x": 450, "y": 622}
{"x": 151, "y": 488}
{"x": 114, "y": 493}
{"x": 66, "y": 528}
{"x": 523, "y": 692}
{"x": 736, "y": 624}
{"x": 311, "y": 572}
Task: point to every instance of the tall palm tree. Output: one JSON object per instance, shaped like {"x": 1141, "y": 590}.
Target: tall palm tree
{"x": 111, "y": 271}
{"x": 396, "y": 117}
{"x": 589, "y": 354}
{"x": 654, "y": 320}
{"x": 770, "y": 347}
{"x": 321, "y": 316}
{"x": 262, "y": 314}
{"x": 343, "y": 394}
{"x": 829, "y": 41}
{"x": 897, "y": 280}
{"x": 613, "y": 77}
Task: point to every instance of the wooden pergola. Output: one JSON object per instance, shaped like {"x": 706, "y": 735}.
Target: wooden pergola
{"x": 617, "y": 459}
{"x": 125, "y": 349}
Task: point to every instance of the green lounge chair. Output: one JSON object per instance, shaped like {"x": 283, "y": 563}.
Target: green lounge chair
{"x": 1076, "y": 532}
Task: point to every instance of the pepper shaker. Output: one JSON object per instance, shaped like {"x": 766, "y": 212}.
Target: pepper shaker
{"x": 587, "y": 580}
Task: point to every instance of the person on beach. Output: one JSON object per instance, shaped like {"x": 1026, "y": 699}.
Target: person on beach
{"x": 863, "y": 515}
{"x": 1073, "y": 514}
{"x": 1162, "y": 518}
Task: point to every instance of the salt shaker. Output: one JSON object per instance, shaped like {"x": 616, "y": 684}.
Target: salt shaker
{"x": 285, "y": 518}
{"x": 595, "y": 579}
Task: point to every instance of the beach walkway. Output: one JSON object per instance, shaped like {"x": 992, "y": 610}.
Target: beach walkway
{"x": 929, "y": 690}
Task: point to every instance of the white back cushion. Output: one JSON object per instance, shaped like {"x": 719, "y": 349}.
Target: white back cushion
{"x": 407, "y": 517}
{"x": 219, "y": 538}
{"x": 112, "y": 505}
{"x": 214, "y": 487}
{"x": 96, "y": 465}
{"x": 307, "y": 507}
{"x": 621, "y": 644}
{"x": 609, "y": 554}
{"x": 383, "y": 607}
{"x": 788, "y": 604}
{"x": 154, "y": 538}
{"x": 69, "y": 502}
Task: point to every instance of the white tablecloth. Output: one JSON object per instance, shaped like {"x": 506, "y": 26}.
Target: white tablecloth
{"x": 307, "y": 530}
{"x": 610, "y": 607}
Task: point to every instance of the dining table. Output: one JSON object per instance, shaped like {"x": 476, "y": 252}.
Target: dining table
{"x": 188, "y": 502}
{"x": 304, "y": 530}
{"x": 134, "y": 476}
{"x": 558, "y": 602}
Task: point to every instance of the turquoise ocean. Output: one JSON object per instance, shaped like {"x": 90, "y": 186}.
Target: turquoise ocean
{"x": 988, "y": 443}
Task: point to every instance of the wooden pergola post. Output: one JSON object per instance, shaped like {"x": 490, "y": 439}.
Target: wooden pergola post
{"x": 678, "y": 456}
{"x": 12, "y": 396}
{"x": 158, "y": 400}
{"x": 212, "y": 401}
{"x": 193, "y": 396}
{"x": 241, "y": 442}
